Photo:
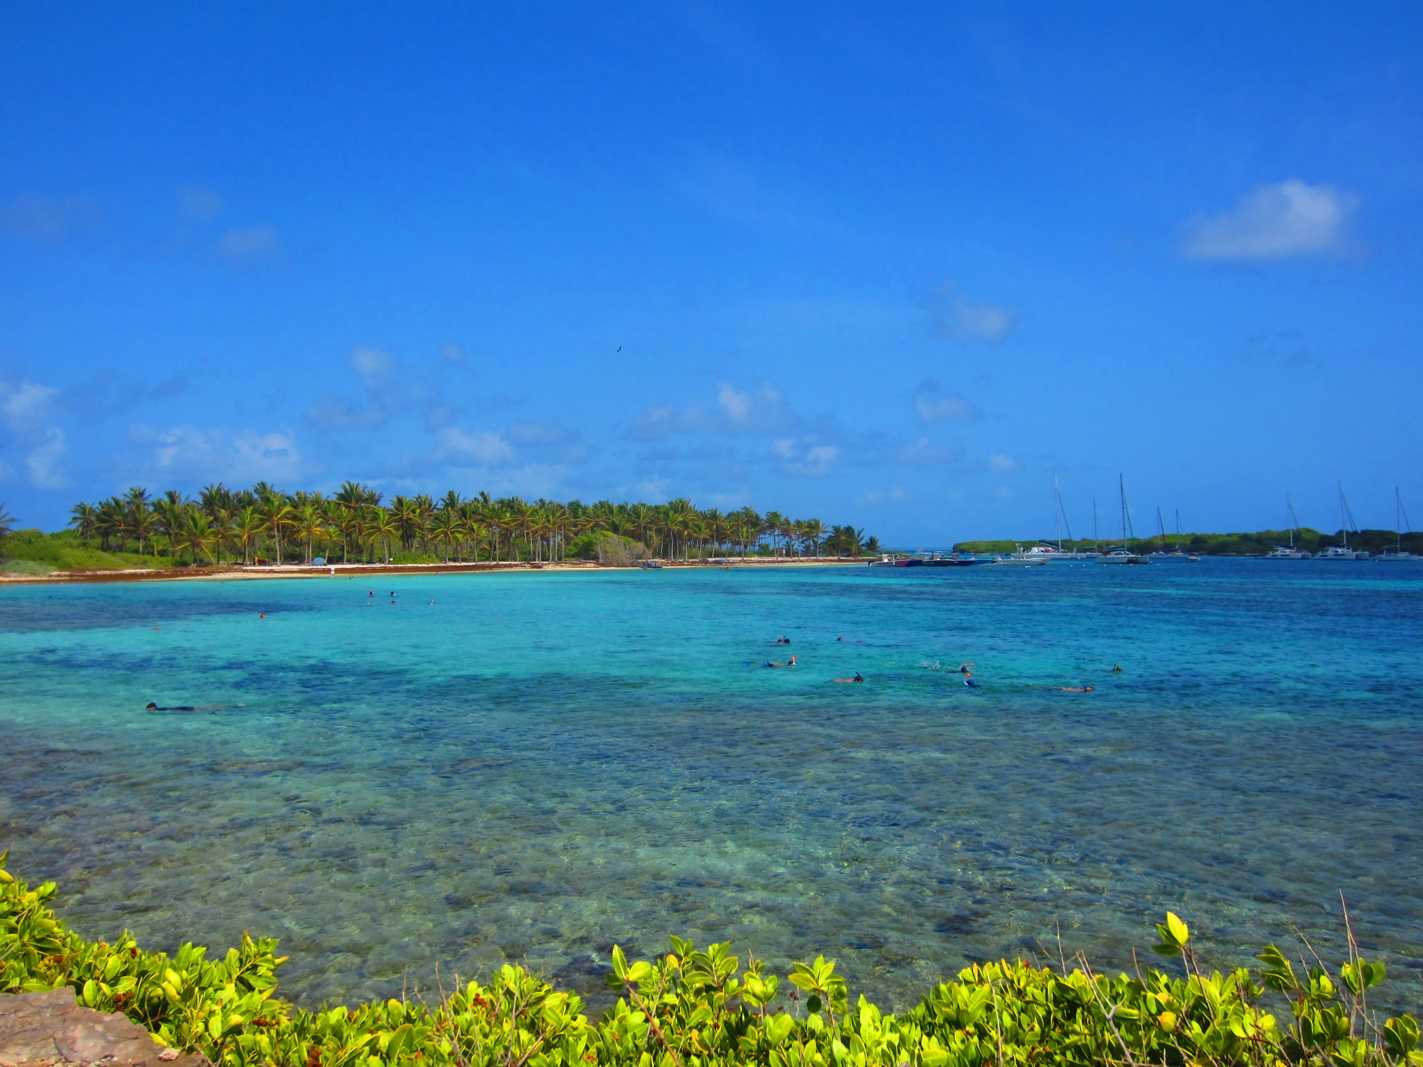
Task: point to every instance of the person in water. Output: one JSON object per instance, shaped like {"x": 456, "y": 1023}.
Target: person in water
{"x": 968, "y": 677}
{"x": 1075, "y": 688}
{"x": 851, "y": 681}
{"x": 175, "y": 707}
{"x": 788, "y": 663}
{"x": 1116, "y": 668}
{"x": 782, "y": 640}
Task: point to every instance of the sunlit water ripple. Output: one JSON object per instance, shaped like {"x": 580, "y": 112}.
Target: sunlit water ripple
{"x": 536, "y": 766}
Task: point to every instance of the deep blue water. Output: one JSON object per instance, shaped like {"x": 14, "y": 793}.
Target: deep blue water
{"x": 536, "y": 766}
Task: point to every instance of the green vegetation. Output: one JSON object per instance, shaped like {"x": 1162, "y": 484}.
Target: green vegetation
{"x": 701, "y": 1007}
{"x": 1222, "y": 544}
{"x": 33, "y": 552}
{"x": 263, "y": 525}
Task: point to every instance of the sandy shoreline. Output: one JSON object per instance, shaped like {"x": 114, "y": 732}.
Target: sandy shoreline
{"x": 356, "y": 570}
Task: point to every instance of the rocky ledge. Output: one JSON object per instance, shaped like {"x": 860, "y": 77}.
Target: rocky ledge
{"x": 52, "y": 1030}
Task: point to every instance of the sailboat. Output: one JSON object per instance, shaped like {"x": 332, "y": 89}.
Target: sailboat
{"x": 1280, "y": 551}
{"x": 1122, "y": 555}
{"x": 1064, "y": 523}
{"x": 1400, "y": 526}
{"x": 1346, "y": 523}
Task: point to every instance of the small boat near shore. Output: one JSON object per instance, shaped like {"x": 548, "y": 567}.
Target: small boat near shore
{"x": 1036, "y": 556}
{"x": 1400, "y": 523}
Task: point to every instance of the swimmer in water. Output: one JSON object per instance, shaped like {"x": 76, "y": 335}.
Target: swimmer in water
{"x": 968, "y": 677}
{"x": 851, "y": 681}
{"x": 1075, "y": 688}
{"x": 176, "y": 707}
{"x": 782, "y": 640}
{"x": 788, "y": 663}
{"x": 261, "y": 615}
{"x": 1116, "y": 668}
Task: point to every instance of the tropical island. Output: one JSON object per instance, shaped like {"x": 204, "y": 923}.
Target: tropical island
{"x": 262, "y": 526}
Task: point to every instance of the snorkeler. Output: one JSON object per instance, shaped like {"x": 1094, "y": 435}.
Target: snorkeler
{"x": 851, "y": 681}
{"x": 1076, "y": 688}
{"x": 1116, "y": 668}
{"x": 176, "y": 707}
{"x": 789, "y": 663}
{"x": 782, "y": 640}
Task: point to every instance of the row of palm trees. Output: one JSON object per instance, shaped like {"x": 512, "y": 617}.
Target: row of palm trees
{"x": 263, "y": 524}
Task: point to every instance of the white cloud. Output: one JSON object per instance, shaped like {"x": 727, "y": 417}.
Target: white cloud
{"x": 936, "y": 404}
{"x": 736, "y": 404}
{"x": 483, "y": 448}
{"x": 1002, "y": 463}
{"x": 265, "y": 457}
{"x": 812, "y": 460}
{"x": 924, "y": 452}
{"x": 371, "y": 364}
{"x": 969, "y": 321}
{"x": 42, "y": 463}
{"x": 893, "y": 495}
{"x": 1289, "y": 218}
{"x": 248, "y": 456}
{"x": 198, "y": 204}
{"x": 48, "y": 218}
{"x": 24, "y": 403}
{"x": 248, "y": 242}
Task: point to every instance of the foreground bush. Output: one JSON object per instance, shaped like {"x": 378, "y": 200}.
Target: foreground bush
{"x": 694, "y": 1008}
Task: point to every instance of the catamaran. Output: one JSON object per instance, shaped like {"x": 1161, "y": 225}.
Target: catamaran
{"x": 1400, "y": 526}
{"x": 1346, "y": 523}
{"x": 1280, "y": 551}
{"x": 1122, "y": 555}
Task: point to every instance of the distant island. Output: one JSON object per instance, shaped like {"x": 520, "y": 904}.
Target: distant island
{"x": 1257, "y": 543}
{"x": 262, "y": 525}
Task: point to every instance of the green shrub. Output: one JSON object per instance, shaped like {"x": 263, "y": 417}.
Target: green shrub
{"x": 695, "y": 1008}
{"x": 65, "y": 552}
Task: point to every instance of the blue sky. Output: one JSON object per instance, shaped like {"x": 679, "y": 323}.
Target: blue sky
{"x": 894, "y": 269}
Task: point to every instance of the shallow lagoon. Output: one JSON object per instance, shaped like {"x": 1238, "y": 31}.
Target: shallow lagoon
{"x": 536, "y": 766}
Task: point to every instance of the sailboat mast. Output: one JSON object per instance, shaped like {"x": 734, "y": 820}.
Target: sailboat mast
{"x": 1160, "y": 526}
{"x": 1096, "y": 541}
{"x": 1122, "y": 490}
{"x": 1294, "y": 520}
{"x": 1178, "y": 522}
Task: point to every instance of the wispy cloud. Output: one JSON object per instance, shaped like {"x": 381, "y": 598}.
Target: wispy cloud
{"x": 970, "y": 321}
{"x": 249, "y": 242}
{"x": 246, "y": 456}
{"x": 197, "y": 204}
{"x": 1289, "y": 218}
{"x": 923, "y": 452}
{"x": 43, "y": 461}
{"x": 48, "y": 218}
{"x": 934, "y": 403}
{"x": 466, "y": 446}
{"x": 1003, "y": 463}
{"x": 809, "y": 458}
{"x": 25, "y": 403}
{"x": 371, "y": 364}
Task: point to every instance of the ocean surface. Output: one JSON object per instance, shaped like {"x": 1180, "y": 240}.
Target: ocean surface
{"x": 533, "y": 767}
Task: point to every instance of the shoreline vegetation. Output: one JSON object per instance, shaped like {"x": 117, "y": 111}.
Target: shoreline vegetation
{"x": 702, "y": 1007}
{"x": 226, "y": 532}
{"x": 1255, "y": 543}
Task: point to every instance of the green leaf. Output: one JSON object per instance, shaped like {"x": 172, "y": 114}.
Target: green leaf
{"x": 1178, "y": 930}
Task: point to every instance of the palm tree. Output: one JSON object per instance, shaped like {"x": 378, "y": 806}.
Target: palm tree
{"x": 814, "y": 531}
{"x": 196, "y": 533}
{"x": 385, "y": 527}
{"x": 309, "y": 524}
{"x": 276, "y": 515}
{"x": 84, "y": 518}
{"x": 247, "y": 529}
{"x": 7, "y": 523}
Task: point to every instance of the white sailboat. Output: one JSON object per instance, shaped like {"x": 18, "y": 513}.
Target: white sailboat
{"x": 1280, "y": 551}
{"x": 1400, "y": 526}
{"x": 1122, "y": 555}
{"x": 1344, "y": 552}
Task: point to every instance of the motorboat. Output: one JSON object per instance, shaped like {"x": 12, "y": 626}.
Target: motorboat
{"x": 1335, "y": 553}
{"x": 1031, "y": 558}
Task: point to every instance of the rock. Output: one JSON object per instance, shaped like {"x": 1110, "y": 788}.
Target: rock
{"x": 53, "y": 1030}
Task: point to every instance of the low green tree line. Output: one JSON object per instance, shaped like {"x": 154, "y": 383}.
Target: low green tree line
{"x": 356, "y": 525}
{"x": 1223, "y": 544}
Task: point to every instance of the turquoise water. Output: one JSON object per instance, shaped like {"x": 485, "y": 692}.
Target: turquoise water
{"x": 535, "y": 766}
